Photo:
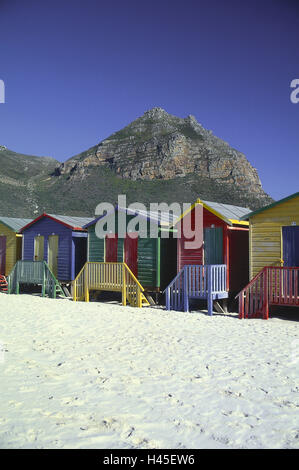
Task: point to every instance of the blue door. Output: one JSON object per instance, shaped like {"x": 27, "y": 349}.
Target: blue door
{"x": 290, "y": 240}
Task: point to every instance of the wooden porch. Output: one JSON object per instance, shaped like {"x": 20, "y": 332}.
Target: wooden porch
{"x": 115, "y": 277}
{"x": 207, "y": 282}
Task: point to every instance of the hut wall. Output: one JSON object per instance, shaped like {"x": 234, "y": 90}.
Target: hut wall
{"x": 196, "y": 256}
{"x": 265, "y": 243}
{"x": 46, "y": 227}
{"x": 11, "y": 247}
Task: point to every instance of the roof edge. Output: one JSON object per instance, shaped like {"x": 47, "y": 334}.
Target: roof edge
{"x": 269, "y": 206}
{"x": 44, "y": 214}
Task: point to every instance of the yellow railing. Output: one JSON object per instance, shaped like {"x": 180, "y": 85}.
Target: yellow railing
{"x": 115, "y": 277}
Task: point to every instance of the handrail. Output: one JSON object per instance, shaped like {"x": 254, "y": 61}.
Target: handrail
{"x": 251, "y": 282}
{"x": 273, "y": 285}
{"x": 113, "y": 276}
{"x": 36, "y": 272}
{"x": 174, "y": 292}
{"x": 196, "y": 281}
{"x": 173, "y": 280}
{"x": 134, "y": 277}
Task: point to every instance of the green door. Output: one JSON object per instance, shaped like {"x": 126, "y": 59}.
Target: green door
{"x": 213, "y": 245}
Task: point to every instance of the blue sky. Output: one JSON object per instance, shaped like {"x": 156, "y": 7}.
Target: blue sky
{"x": 77, "y": 71}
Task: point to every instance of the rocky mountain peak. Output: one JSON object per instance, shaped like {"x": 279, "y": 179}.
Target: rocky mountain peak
{"x": 155, "y": 113}
{"x": 161, "y": 146}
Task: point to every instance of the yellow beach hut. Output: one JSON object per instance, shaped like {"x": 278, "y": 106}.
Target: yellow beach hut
{"x": 10, "y": 242}
{"x": 274, "y": 235}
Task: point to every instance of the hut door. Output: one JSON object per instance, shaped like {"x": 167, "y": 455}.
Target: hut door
{"x": 111, "y": 248}
{"x": 2, "y": 254}
{"x": 290, "y": 241}
{"x": 130, "y": 252}
{"x": 53, "y": 253}
{"x": 213, "y": 245}
{"x": 39, "y": 248}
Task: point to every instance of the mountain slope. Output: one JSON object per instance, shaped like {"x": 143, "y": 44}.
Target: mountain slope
{"x": 161, "y": 146}
{"x": 156, "y": 158}
{"x": 20, "y": 176}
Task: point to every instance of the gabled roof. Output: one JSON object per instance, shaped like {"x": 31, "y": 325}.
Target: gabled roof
{"x": 163, "y": 219}
{"x": 269, "y": 206}
{"x": 14, "y": 223}
{"x": 74, "y": 223}
{"x": 229, "y": 213}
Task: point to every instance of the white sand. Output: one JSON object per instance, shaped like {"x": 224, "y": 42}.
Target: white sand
{"x": 77, "y": 375}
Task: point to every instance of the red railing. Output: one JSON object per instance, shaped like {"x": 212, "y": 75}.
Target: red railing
{"x": 273, "y": 285}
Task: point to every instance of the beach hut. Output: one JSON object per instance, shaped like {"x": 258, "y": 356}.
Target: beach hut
{"x": 10, "y": 242}
{"x": 59, "y": 240}
{"x": 273, "y": 258}
{"x": 274, "y": 235}
{"x": 224, "y": 240}
{"x": 152, "y": 260}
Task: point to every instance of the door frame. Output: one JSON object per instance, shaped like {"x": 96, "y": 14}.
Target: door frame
{"x": 282, "y": 260}
{"x": 34, "y": 248}
{"x": 50, "y": 236}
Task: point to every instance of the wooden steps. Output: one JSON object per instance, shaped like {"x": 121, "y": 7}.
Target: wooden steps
{"x": 115, "y": 277}
{"x": 273, "y": 285}
{"x": 205, "y": 282}
{"x": 3, "y": 283}
{"x": 34, "y": 273}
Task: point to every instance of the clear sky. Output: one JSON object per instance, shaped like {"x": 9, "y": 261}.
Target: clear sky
{"x": 77, "y": 71}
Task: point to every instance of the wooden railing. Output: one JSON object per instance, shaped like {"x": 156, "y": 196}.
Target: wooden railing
{"x": 174, "y": 292}
{"x": 273, "y": 285}
{"x": 197, "y": 282}
{"x": 33, "y": 272}
{"x": 115, "y": 277}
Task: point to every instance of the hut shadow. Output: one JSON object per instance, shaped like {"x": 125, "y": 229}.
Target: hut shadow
{"x": 284, "y": 313}
{"x": 200, "y": 306}
{"x": 106, "y": 297}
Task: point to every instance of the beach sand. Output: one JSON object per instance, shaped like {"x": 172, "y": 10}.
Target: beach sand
{"x": 99, "y": 375}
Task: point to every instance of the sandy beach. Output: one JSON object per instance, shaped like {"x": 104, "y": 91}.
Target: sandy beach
{"x": 99, "y": 375}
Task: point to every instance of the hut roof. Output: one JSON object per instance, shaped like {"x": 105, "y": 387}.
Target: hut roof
{"x": 164, "y": 219}
{"x": 14, "y": 223}
{"x": 227, "y": 212}
{"x": 269, "y": 206}
{"x": 74, "y": 223}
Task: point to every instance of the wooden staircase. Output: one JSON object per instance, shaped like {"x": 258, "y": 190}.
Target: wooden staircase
{"x": 3, "y": 283}
{"x": 273, "y": 285}
{"x": 206, "y": 282}
{"x": 34, "y": 273}
{"x": 115, "y": 277}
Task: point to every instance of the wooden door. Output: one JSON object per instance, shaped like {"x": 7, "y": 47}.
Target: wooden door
{"x": 39, "y": 248}
{"x": 213, "y": 245}
{"x": 111, "y": 248}
{"x": 2, "y": 254}
{"x": 53, "y": 253}
{"x": 290, "y": 241}
{"x": 131, "y": 251}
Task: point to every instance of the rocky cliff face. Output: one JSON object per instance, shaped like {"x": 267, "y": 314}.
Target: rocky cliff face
{"x": 161, "y": 146}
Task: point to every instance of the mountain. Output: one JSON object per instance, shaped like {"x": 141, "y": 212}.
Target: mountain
{"x": 157, "y": 158}
{"x": 20, "y": 178}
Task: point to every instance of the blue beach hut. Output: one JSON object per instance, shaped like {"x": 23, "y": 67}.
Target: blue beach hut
{"x": 59, "y": 240}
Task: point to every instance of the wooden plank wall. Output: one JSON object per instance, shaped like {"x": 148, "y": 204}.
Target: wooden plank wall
{"x": 11, "y": 247}
{"x": 265, "y": 243}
